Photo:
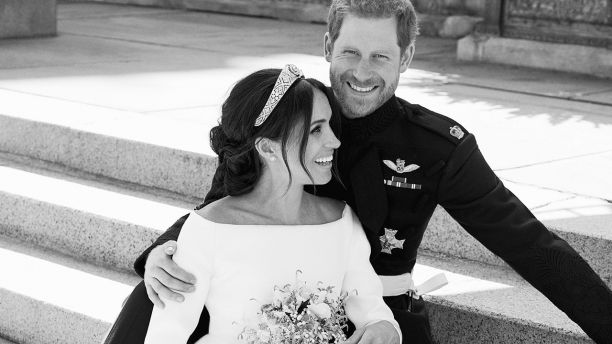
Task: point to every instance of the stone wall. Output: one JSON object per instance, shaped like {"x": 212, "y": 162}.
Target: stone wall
{"x": 27, "y": 18}
{"x": 451, "y": 7}
{"x": 295, "y": 10}
{"x": 585, "y": 22}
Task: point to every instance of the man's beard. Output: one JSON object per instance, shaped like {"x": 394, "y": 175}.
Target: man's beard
{"x": 359, "y": 107}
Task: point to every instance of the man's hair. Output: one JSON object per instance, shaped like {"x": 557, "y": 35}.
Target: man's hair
{"x": 403, "y": 11}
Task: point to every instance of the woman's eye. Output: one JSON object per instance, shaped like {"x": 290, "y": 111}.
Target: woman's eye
{"x": 315, "y": 130}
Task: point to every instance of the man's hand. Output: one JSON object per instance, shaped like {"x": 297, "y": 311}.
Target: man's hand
{"x": 164, "y": 277}
{"x": 382, "y": 332}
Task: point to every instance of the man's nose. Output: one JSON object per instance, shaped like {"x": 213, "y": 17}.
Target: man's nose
{"x": 363, "y": 70}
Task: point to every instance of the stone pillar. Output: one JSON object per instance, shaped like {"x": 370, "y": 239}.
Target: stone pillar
{"x": 492, "y": 23}
{"x": 27, "y": 18}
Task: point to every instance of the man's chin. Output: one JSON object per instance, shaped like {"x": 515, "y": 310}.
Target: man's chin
{"x": 356, "y": 108}
{"x": 353, "y": 112}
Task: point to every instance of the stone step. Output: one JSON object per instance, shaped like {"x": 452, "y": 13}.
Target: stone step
{"x": 591, "y": 239}
{"x": 117, "y": 144}
{"x": 69, "y": 301}
{"x": 5, "y": 341}
{"x": 97, "y": 220}
{"x": 50, "y": 298}
{"x": 154, "y": 159}
{"x": 487, "y": 304}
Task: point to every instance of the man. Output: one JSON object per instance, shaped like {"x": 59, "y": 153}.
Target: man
{"x": 397, "y": 162}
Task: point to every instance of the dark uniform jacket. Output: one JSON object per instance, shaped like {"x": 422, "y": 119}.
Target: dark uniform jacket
{"x": 378, "y": 162}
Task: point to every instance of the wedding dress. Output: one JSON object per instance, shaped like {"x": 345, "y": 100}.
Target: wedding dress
{"x": 237, "y": 267}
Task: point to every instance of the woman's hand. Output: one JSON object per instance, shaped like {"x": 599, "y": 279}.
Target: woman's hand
{"x": 382, "y": 332}
{"x": 163, "y": 277}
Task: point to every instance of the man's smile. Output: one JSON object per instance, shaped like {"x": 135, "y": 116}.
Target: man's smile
{"x": 361, "y": 89}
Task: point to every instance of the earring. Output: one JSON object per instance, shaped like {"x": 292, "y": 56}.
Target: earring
{"x": 272, "y": 158}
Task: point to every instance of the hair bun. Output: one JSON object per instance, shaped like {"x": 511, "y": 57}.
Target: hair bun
{"x": 222, "y": 145}
{"x": 240, "y": 164}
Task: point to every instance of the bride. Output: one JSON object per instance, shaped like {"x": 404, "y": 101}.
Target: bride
{"x": 273, "y": 139}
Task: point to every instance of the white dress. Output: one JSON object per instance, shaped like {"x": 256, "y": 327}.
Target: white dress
{"x": 235, "y": 264}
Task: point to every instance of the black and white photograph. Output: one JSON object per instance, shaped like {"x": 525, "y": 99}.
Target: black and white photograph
{"x": 305, "y": 171}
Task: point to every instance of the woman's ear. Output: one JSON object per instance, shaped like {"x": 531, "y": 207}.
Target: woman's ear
{"x": 266, "y": 148}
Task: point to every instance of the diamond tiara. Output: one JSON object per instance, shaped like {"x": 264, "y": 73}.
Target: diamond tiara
{"x": 286, "y": 78}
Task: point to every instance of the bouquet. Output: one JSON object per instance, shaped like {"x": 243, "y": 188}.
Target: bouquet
{"x": 299, "y": 315}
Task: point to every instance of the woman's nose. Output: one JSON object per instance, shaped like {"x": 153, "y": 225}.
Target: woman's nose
{"x": 333, "y": 142}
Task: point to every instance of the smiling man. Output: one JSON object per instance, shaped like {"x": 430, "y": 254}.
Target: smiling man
{"x": 366, "y": 60}
{"x": 397, "y": 162}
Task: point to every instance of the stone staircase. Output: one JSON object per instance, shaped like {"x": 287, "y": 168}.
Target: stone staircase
{"x": 79, "y": 206}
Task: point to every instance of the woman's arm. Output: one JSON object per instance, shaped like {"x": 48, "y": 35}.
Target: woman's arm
{"x": 176, "y": 321}
{"x": 365, "y": 305}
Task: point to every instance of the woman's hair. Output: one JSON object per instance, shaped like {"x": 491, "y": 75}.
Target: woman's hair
{"x": 235, "y": 137}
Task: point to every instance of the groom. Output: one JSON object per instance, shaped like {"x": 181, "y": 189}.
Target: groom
{"x": 397, "y": 162}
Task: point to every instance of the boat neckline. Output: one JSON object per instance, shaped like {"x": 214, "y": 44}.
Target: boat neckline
{"x": 345, "y": 213}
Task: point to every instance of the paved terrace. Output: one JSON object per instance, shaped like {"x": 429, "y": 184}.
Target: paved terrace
{"x": 159, "y": 76}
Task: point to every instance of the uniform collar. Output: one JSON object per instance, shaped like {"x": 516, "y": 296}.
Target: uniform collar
{"x": 376, "y": 122}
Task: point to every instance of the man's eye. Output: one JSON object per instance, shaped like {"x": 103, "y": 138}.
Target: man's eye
{"x": 350, "y": 52}
{"x": 379, "y": 56}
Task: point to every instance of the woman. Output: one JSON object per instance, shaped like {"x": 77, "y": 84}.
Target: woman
{"x": 274, "y": 138}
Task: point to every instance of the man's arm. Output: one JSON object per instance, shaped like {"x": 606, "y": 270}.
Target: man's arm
{"x": 171, "y": 233}
{"x": 162, "y": 276}
{"x": 473, "y": 195}
{"x": 217, "y": 191}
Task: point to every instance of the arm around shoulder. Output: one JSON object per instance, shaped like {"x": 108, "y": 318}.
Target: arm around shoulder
{"x": 195, "y": 251}
{"x": 171, "y": 233}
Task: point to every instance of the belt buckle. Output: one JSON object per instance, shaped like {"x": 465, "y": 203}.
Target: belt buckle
{"x": 411, "y": 294}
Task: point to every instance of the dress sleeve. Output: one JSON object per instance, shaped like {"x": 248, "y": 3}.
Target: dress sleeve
{"x": 364, "y": 305}
{"x": 473, "y": 195}
{"x": 195, "y": 252}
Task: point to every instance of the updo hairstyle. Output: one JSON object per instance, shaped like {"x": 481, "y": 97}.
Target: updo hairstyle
{"x": 234, "y": 138}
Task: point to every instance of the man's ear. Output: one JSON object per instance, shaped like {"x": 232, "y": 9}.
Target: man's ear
{"x": 327, "y": 46}
{"x": 266, "y": 148}
{"x": 406, "y": 58}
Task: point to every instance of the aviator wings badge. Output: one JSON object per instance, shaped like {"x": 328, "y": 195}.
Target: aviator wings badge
{"x": 400, "y": 166}
{"x": 389, "y": 241}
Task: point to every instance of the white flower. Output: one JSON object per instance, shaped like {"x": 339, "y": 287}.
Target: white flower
{"x": 278, "y": 296}
{"x": 264, "y": 336}
{"x": 321, "y": 310}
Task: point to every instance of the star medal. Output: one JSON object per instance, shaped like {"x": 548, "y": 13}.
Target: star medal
{"x": 389, "y": 241}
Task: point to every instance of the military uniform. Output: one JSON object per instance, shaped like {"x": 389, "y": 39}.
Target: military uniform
{"x": 397, "y": 164}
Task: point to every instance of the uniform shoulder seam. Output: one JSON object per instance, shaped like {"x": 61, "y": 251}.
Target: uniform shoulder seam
{"x": 434, "y": 122}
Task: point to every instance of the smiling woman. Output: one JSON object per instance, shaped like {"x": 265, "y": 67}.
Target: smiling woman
{"x": 293, "y": 131}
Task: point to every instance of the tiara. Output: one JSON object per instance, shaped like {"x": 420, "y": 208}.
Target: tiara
{"x": 286, "y": 78}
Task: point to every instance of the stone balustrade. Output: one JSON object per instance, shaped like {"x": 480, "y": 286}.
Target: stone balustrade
{"x": 27, "y": 18}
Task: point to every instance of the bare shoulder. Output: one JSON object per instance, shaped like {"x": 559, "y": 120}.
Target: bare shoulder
{"x": 220, "y": 211}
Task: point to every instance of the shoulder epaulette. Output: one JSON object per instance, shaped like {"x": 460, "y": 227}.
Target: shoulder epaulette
{"x": 434, "y": 122}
